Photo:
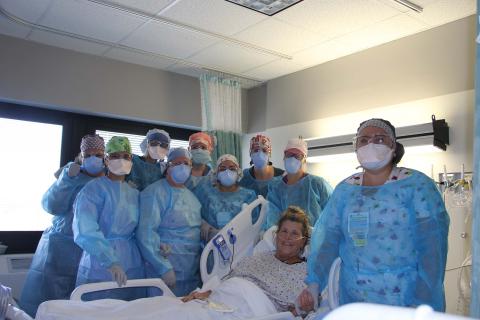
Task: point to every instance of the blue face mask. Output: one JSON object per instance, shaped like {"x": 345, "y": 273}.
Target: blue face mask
{"x": 93, "y": 165}
{"x": 200, "y": 156}
{"x": 292, "y": 165}
{"x": 228, "y": 177}
{"x": 259, "y": 159}
{"x": 180, "y": 173}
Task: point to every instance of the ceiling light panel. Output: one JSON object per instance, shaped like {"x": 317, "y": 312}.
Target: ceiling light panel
{"x": 268, "y": 7}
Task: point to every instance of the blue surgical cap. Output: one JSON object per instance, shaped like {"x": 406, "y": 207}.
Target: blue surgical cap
{"x": 158, "y": 135}
{"x": 177, "y": 153}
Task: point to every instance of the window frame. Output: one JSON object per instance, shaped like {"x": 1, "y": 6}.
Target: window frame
{"x": 75, "y": 126}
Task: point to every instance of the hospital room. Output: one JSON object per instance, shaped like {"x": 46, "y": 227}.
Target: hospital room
{"x": 239, "y": 159}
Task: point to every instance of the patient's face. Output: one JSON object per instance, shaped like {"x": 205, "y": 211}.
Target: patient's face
{"x": 290, "y": 240}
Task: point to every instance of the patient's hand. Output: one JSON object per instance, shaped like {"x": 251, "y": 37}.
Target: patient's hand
{"x": 306, "y": 301}
{"x": 197, "y": 295}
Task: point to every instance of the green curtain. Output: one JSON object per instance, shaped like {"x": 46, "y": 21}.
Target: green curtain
{"x": 227, "y": 142}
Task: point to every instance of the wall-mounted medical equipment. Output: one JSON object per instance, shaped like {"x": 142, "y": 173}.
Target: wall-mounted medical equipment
{"x": 432, "y": 136}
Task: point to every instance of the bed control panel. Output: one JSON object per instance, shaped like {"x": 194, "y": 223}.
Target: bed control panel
{"x": 222, "y": 247}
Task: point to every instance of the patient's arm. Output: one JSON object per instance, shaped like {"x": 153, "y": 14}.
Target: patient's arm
{"x": 197, "y": 295}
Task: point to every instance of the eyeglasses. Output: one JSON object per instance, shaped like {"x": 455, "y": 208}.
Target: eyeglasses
{"x": 362, "y": 141}
{"x": 155, "y": 143}
{"x": 294, "y": 155}
{"x": 223, "y": 168}
{"x": 177, "y": 163}
{"x": 116, "y": 156}
{"x": 284, "y": 235}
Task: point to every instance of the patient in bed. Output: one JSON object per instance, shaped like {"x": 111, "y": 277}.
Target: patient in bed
{"x": 278, "y": 274}
{"x": 259, "y": 285}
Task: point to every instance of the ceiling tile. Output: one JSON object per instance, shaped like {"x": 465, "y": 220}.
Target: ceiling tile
{"x": 444, "y": 11}
{"x": 148, "y": 6}
{"x": 331, "y": 18}
{"x": 380, "y": 33}
{"x": 235, "y": 59}
{"x": 168, "y": 40}
{"x": 27, "y": 10}
{"x": 138, "y": 58}
{"x": 13, "y": 29}
{"x": 65, "y": 42}
{"x": 217, "y": 16}
{"x": 273, "y": 69}
{"x": 90, "y": 19}
{"x": 279, "y": 36}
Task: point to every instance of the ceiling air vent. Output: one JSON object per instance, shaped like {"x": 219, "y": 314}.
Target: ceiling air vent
{"x": 268, "y": 7}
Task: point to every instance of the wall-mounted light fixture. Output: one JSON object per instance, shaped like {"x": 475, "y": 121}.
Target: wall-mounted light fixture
{"x": 427, "y": 137}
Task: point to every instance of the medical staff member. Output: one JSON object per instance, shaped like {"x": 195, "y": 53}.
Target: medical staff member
{"x": 223, "y": 199}
{"x": 258, "y": 176}
{"x": 150, "y": 167}
{"x": 106, "y": 216}
{"x": 54, "y": 267}
{"x": 297, "y": 187}
{"x": 200, "y": 145}
{"x": 169, "y": 229}
{"x": 389, "y": 226}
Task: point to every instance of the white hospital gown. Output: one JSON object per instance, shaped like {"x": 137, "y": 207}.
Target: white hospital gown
{"x": 281, "y": 282}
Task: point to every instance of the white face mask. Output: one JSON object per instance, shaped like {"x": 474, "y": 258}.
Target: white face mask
{"x": 157, "y": 152}
{"x": 119, "y": 167}
{"x": 374, "y": 156}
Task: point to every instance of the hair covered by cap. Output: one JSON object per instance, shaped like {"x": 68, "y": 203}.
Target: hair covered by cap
{"x": 202, "y": 137}
{"x": 389, "y": 129}
{"x": 92, "y": 141}
{"x": 262, "y": 142}
{"x": 178, "y": 153}
{"x": 298, "y": 144}
{"x": 118, "y": 144}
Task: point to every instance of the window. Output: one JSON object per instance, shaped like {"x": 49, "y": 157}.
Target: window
{"x": 32, "y": 155}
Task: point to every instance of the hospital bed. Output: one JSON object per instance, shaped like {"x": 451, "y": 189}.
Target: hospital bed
{"x": 240, "y": 238}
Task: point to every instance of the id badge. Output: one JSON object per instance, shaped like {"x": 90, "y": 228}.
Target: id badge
{"x": 358, "y": 228}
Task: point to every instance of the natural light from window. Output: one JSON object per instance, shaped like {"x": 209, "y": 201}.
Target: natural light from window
{"x": 30, "y": 156}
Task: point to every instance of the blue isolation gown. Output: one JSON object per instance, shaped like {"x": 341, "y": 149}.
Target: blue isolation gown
{"x": 259, "y": 186}
{"x": 219, "y": 208}
{"x": 392, "y": 240}
{"x": 310, "y": 193}
{"x": 171, "y": 216}
{"x": 194, "y": 181}
{"x": 53, "y": 273}
{"x": 106, "y": 216}
{"x": 144, "y": 173}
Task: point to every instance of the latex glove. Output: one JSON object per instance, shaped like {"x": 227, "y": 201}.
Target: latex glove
{"x": 118, "y": 275}
{"x": 169, "y": 278}
{"x": 205, "y": 231}
{"x": 307, "y": 300}
{"x": 73, "y": 170}
{"x": 165, "y": 249}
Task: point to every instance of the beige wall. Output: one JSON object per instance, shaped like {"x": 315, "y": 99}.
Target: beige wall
{"x": 62, "y": 79}
{"x": 432, "y": 63}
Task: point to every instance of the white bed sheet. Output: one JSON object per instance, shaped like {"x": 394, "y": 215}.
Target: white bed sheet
{"x": 247, "y": 299}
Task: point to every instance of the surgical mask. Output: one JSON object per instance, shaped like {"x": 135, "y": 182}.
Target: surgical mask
{"x": 180, "y": 173}
{"x": 292, "y": 165}
{"x": 259, "y": 159}
{"x": 157, "y": 152}
{"x": 200, "y": 156}
{"x": 374, "y": 156}
{"x": 119, "y": 167}
{"x": 93, "y": 165}
{"x": 227, "y": 177}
